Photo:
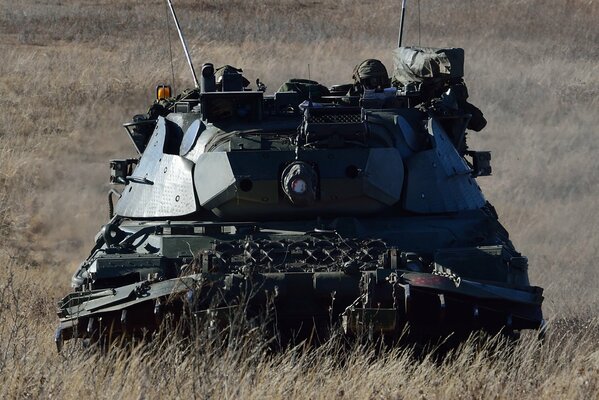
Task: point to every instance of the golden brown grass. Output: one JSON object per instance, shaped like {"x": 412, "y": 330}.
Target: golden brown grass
{"x": 72, "y": 71}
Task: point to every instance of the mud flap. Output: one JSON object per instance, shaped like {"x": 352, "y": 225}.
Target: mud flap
{"x": 369, "y": 320}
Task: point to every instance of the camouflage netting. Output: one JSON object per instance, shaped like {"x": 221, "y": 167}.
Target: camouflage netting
{"x": 418, "y": 64}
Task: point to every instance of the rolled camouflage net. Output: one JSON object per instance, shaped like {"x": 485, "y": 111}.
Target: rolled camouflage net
{"x": 307, "y": 88}
{"x": 417, "y": 64}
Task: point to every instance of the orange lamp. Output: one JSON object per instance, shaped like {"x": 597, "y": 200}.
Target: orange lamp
{"x": 163, "y": 92}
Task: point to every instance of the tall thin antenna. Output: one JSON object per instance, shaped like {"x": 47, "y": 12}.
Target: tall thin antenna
{"x": 170, "y": 47}
{"x": 193, "y": 72}
{"x": 401, "y": 22}
{"x": 419, "y": 23}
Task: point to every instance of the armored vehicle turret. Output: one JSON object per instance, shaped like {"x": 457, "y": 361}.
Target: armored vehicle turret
{"x": 353, "y": 208}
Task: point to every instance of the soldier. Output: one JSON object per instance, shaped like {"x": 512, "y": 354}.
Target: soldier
{"x": 370, "y": 74}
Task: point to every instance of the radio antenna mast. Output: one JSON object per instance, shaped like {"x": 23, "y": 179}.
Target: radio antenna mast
{"x": 401, "y": 22}
{"x": 193, "y": 72}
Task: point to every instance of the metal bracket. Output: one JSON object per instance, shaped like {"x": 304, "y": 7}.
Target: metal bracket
{"x": 121, "y": 170}
{"x": 481, "y": 163}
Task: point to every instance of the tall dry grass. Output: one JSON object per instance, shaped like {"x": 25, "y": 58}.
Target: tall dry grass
{"x": 72, "y": 71}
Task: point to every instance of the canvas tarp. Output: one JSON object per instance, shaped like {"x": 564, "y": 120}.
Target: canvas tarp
{"x": 417, "y": 64}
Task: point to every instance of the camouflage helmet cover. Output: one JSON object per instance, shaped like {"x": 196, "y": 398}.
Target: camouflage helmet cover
{"x": 371, "y": 73}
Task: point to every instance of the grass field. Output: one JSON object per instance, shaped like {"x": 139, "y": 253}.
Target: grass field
{"x": 74, "y": 70}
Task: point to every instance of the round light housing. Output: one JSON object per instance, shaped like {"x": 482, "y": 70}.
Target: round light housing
{"x": 299, "y": 182}
{"x": 299, "y": 186}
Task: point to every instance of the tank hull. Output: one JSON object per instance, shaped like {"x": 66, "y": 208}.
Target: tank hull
{"x": 307, "y": 212}
{"x": 305, "y": 286}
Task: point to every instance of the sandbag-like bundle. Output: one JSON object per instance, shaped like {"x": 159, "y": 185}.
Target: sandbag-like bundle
{"x": 418, "y": 64}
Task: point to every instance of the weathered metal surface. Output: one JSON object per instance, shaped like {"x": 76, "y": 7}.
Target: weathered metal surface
{"x": 161, "y": 185}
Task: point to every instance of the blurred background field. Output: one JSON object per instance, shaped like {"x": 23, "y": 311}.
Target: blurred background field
{"x": 73, "y": 70}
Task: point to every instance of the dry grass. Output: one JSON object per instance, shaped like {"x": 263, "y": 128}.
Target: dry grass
{"x": 73, "y": 70}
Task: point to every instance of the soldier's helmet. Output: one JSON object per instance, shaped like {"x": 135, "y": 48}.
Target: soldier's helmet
{"x": 371, "y": 74}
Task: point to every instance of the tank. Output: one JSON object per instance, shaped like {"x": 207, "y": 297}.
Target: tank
{"x": 350, "y": 209}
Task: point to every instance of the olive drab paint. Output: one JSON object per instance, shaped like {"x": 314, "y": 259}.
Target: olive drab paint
{"x": 326, "y": 208}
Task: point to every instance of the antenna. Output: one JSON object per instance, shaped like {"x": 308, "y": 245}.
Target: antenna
{"x": 403, "y": 14}
{"x": 170, "y": 47}
{"x": 419, "y": 23}
{"x": 193, "y": 72}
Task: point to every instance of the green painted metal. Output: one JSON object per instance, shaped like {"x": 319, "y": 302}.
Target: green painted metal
{"x": 359, "y": 212}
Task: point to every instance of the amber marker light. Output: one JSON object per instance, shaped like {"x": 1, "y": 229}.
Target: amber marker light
{"x": 163, "y": 92}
